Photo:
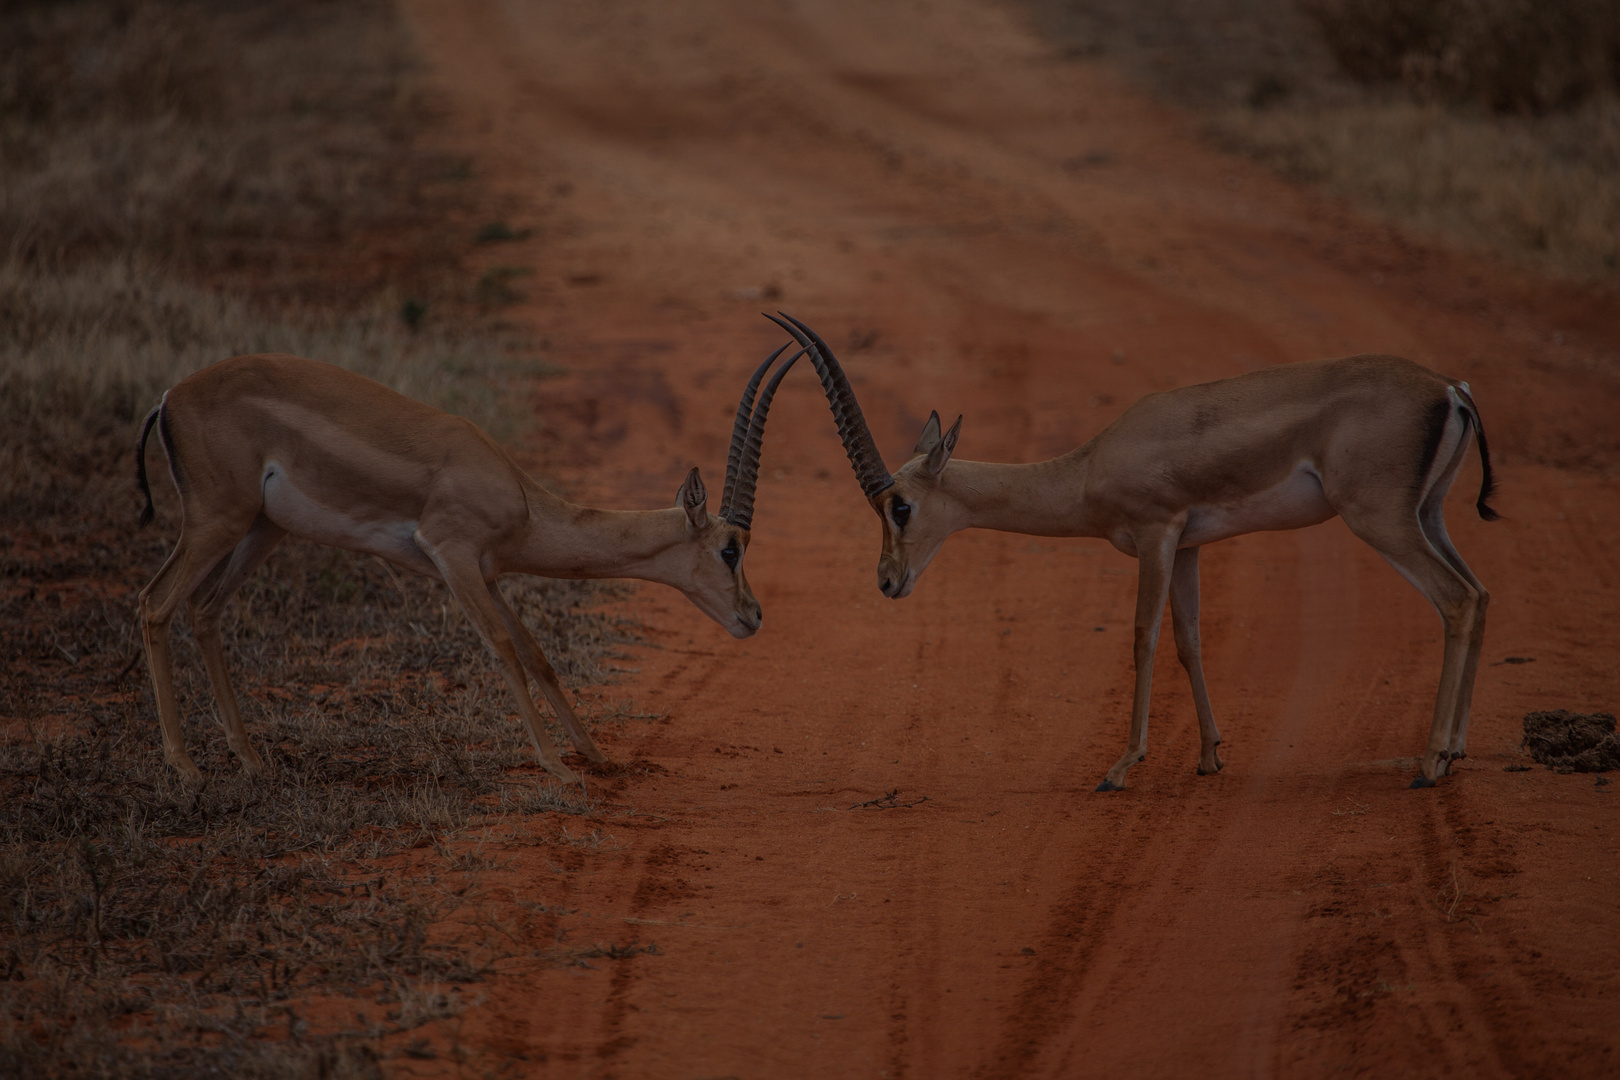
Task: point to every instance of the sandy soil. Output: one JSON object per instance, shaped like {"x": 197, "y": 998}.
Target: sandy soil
{"x": 982, "y": 226}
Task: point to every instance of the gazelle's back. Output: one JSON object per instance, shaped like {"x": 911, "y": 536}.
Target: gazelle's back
{"x": 1205, "y": 438}
{"x": 329, "y": 430}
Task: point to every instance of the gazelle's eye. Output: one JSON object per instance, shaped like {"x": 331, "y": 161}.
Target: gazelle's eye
{"x": 901, "y": 512}
{"x": 731, "y": 554}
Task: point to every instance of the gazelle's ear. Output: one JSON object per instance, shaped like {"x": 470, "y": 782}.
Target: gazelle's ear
{"x": 940, "y": 453}
{"x": 694, "y": 499}
{"x": 929, "y": 437}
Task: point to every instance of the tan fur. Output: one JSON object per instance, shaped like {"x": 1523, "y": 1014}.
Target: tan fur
{"x": 266, "y": 446}
{"x": 1280, "y": 448}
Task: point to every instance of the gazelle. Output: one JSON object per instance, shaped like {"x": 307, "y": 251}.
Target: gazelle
{"x": 1376, "y": 440}
{"x": 262, "y": 447}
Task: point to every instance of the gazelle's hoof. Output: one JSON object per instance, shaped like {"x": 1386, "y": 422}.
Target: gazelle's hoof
{"x": 253, "y": 764}
{"x": 1109, "y": 785}
{"x": 563, "y": 773}
{"x": 189, "y": 773}
{"x": 1422, "y": 782}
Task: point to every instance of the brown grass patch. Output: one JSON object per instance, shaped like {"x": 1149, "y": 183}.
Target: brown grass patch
{"x": 1492, "y": 125}
{"x": 179, "y": 183}
{"x": 1538, "y": 190}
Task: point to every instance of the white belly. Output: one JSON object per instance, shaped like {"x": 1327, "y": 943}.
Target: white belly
{"x": 1293, "y": 504}
{"x": 394, "y": 540}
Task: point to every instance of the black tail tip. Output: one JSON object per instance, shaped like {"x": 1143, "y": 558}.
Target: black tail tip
{"x": 1486, "y": 512}
{"x": 148, "y": 515}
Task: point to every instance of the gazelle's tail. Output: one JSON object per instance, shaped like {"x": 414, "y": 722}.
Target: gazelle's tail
{"x": 1487, "y": 486}
{"x": 140, "y": 461}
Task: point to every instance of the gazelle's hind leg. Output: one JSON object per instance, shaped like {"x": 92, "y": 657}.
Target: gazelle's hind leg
{"x": 1184, "y": 615}
{"x": 1433, "y": 523}
{"x": 1403, "y": 542}
{"x": 1405, "y": 526}
{"x": 196, "y": 555}
{"x": 1457, "y": 602}
{"x": 207, "y": 604}
{"x": 535, "y": 662}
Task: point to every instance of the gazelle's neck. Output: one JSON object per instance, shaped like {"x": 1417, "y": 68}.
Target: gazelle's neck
{"x": 566, "y": 540}
{"x": 1045, "y": 498}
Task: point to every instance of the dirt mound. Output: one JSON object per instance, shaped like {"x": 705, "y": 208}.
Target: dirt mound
{"x": 1572, "y": 742}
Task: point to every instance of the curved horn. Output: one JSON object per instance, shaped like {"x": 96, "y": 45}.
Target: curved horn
{"x": 739, "y": 431}
{"x": 863, "y": 452}
{"x": 742, "y": 509}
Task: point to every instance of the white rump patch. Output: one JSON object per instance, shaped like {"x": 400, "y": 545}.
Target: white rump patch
{"x": 287, "y": 506}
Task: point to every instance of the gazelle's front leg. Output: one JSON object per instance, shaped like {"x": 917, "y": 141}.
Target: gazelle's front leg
{"x": 207, "y": 604}
{"x": 1155, "y": 556}
{"x": 1184, "y": 612}
{"x": 534, "y": 660}
{"x": 459, "y": 569}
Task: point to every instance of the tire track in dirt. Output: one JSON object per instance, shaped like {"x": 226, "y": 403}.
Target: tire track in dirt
{"x": 658, "y": 888}
{"x": 1492, "y": 1006}
{"x": 1444, "y": 981}
{"x": 1187, "y": 870}
{"x": 1383, "y": 983}
{"x": 994, "y": 639}
{"x": 898, "y": 181}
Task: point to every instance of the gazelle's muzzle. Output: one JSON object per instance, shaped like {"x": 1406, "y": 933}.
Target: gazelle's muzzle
{"x": 749, "y": 617}
{"x": 894, "y": 579}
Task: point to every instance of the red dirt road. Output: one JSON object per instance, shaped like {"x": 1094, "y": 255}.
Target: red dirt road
{"x": 981, "y": 226}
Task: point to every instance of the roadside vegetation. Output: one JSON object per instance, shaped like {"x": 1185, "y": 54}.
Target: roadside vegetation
{"x": 181, "y": 182}
{"x": 1491, "y": 124}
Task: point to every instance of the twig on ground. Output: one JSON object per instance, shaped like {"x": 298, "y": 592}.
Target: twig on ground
{"x": 888, "y": 801}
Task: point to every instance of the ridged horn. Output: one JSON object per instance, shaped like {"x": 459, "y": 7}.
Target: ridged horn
{"x": 740, "y": 510}
{"x": 739, "y": 430}
{"x": 863, "y": 452}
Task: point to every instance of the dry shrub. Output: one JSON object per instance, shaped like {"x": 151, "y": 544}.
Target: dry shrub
{"x": 1490, "y": 124}
{"x": 1537, "y": 189}
{"x": 1505, "y": 135}
{"x": 1201, "y": 53}
{"x": 258, "y": 139}
{"x": 1507, "y": 55}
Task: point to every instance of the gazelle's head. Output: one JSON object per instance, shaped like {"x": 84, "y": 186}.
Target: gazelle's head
{"x": 709, "y": 566}
{"x": 917, "y": 514}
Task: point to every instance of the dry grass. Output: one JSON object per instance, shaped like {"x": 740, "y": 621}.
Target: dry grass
{"x": 1493, "y": 125}
{"x": 1538, "y": 190}
{"x": 180, "y": 921}
{"x": 269, "y": 143}
{"x": 1505, "y": 55}
{"x": 180, "y": 182}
